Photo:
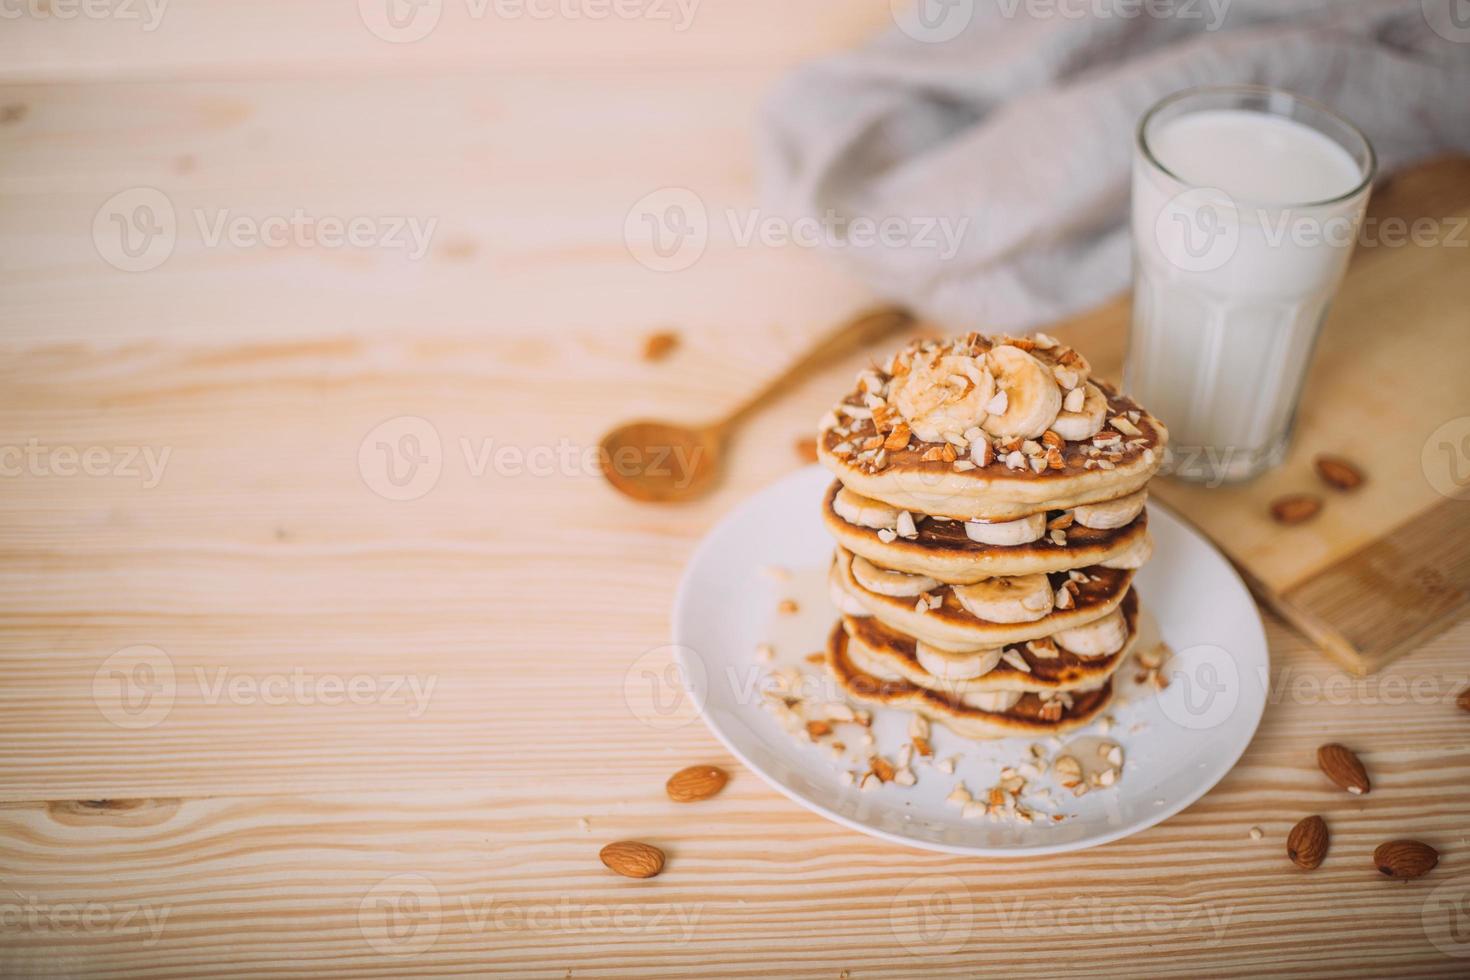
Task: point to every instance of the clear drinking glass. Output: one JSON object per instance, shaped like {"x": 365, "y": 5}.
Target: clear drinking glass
{"x": 1246, "y": 205}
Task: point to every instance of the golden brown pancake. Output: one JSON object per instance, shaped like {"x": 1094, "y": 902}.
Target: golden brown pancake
{"x": 944, "y": 551}
{"x": 1032, "y": 715}
{"x": 995, "y": 492}
{"x": 885, "y": 652}
{"x": 952, "y": 627}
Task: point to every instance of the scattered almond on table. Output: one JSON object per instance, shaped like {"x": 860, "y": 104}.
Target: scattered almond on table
{"x": 657, "y": 346}
{"x": 1338, "y": 473}
{"x": 1306, "y": 845}
{"x": 633, "y": 859}
{"x": 1343, "y": 767}
{"x": 1296, "y": 508}
{"x": 1464, "y": 700}
{"x": 806, "y": 450}
{"x": 1405, "y": 858}
{"x": 694, "y": 783}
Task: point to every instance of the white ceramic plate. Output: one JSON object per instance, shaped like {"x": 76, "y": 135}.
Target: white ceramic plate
{"x": 1178, "y": 743}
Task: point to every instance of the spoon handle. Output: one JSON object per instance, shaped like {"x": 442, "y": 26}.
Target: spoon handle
{"x": 863, "y": 328}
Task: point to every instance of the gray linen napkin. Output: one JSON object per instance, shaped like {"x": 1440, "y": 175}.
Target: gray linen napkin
{"x": 1012, "y": 122}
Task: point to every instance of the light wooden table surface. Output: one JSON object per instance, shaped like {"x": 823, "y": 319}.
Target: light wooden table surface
{"x": 185, "y": 788}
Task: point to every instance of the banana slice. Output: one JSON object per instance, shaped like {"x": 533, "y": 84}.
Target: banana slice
{"x": 1137, "y": 553}
{"x": 991, "y": 700}
{"x": 842, "y": 599}
{"x": 1003, "y": 533}
{"x": 943, "y": 396}
{"x": 1029, "y": 399}
{"x": 1108, "y": 514}
{"x": 1087, "y": 419}
{"x": 1014, "y": 599}
{"x": 870, "y": 662}
{"x": 1099, "y": 638}
{"x": 864, "y": 511}
{"x": 956, "y": 666}
{"x": 886, "y": 582}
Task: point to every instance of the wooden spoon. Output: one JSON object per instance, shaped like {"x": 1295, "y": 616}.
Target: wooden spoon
{"x": 665, "y": 462}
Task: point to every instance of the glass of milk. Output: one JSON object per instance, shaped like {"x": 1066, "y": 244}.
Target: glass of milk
{"x": 1246, "y": 205}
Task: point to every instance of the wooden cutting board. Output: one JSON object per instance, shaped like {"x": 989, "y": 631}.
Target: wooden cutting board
{"x": 1382, "y": 568}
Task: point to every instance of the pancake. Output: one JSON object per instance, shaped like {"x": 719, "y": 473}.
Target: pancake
{"x": 1031, "y": 715}
{"x": 950, "y": 626}
{"x": 886, "y": 653}
{"x": 995, "y": 491}
{"x": 944, "y": 551}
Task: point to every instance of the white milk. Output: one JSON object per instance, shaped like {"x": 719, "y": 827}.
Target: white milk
{"x": 1235, "y": 261}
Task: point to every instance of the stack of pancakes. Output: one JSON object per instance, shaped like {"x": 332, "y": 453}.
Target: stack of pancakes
{"x": 989, "y": 515}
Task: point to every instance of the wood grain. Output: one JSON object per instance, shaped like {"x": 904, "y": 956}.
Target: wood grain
{"x": 246, "y": 834}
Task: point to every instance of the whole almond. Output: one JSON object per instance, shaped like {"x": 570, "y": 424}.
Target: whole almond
{"x": 1343, "y": 768}
{"x": 806, "y": 450}
{"x": 1307, "y": 843}
{"x": 696, "y": 783}
{"x": 1464, "y": 700}
{"x": 658, "y": 346}
{"x": 1339, "y": 473}
{"x": 633, "y": 859}
{"x": 1296, "y": 508}
{"x": 1405, "y": 858}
